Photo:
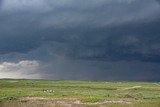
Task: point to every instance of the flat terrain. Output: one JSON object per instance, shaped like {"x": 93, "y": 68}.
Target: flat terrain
{"x": 42, "y": 93}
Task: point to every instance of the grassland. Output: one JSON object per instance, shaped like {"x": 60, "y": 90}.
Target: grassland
{"x": 88, "y": 93}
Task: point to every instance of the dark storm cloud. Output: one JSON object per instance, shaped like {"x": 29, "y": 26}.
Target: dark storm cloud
{"x": 104, "y": 30}
{"x": 111, "y": 31}
{"x": 137, "y": 43}
{"x": 0, "y": 3}
{"x": 158, "y": 1}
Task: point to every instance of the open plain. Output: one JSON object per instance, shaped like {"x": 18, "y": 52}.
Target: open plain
{"x": 45, "y": 93}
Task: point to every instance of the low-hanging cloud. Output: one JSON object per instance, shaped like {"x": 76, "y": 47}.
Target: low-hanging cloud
{"x": 21, "y": 69}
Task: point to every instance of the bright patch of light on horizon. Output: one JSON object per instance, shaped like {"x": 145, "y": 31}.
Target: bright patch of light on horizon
{"x": 23, "y": 69}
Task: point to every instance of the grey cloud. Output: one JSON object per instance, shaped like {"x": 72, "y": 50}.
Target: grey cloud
{"x": 88, "y": 35}
{"x": 110, "y": 13}
{"x": 0, "y": 4}
{"x": 59, "y": 67}
{"x": 137, "y": 43}
{"x": 158, "y": 1}
{"x": 98, "y": 70}
{"x": 64, "y": 14}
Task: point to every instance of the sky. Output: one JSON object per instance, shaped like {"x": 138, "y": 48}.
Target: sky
{"x": 80, "y": 39}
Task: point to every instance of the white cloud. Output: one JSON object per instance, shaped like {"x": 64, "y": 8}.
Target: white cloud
{"x": 22, "y": 69}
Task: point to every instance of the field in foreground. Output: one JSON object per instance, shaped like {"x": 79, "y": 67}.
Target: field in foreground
{"x": 41, "y": 93}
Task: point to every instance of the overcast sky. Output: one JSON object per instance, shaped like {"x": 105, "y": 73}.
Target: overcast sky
{"x": 80, "y": 39}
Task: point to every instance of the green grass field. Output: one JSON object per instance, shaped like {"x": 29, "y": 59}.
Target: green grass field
{"x": 120, "y": 94}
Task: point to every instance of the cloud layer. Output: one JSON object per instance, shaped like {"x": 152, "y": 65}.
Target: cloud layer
{"x": 82, "y": 32}
{"x": 22, "y": 69}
